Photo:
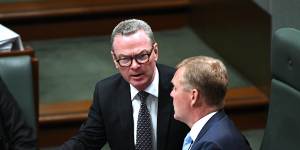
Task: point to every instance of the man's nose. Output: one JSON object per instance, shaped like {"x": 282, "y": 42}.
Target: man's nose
{"x": 171, "y": 94}
{"x": 135, "y": 64}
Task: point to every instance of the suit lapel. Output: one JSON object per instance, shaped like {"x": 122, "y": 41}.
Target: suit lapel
{"x": 125, "y": 114}
{"x": 215, "y": 118}
{"x": 163, "y": 120}
{"x": 164, "y": 110}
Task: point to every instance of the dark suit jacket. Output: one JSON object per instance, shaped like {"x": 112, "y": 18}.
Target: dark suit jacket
{"x": 14, "y": 132}
{"x": 111, "y": 117}
{"x": 220, "y": 133}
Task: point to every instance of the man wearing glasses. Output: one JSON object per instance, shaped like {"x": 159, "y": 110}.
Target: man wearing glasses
{"x": 132, "y": 110}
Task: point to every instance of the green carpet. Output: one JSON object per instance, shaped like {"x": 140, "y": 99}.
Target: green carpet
{"x": 70, "y": 68}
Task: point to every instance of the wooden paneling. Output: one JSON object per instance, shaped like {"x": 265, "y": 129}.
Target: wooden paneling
{"x": 62, "y": 19}
{"x": 63, "y": 112}
{"x": 93, "y": 25}
{"x": 238, "y": 98}
{"x": 247, "y": 107}
{"x": 58, "y": 8}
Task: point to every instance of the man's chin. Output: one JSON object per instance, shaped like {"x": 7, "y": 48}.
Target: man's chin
{"x": 139, "y": 86}
{"x": 176, "y": 117}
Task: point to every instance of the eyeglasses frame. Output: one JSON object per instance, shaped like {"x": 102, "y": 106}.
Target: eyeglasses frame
{"x": 149, "y": 52}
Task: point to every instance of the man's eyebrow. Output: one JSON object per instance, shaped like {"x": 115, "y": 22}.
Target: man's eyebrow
{"x": 141, "y": 52}
{"x": 123, "y": 55}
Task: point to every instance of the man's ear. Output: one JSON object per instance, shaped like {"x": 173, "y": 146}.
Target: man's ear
{"x": 155, "y": 49}
{"x": 114, "y": 59}
{"x": 195, "y": 96}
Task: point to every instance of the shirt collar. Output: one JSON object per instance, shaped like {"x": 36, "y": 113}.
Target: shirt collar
{"x": 197, "y": 127}
{"x": 151, "y": 89}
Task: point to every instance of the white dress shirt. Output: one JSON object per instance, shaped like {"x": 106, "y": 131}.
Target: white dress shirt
{"x": 152, "y": 105}
{"x": 197, "y": 127}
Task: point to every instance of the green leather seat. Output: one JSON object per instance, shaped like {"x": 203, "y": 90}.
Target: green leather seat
{"x": 16, "y": 72}
{"x": 283, "y": 124}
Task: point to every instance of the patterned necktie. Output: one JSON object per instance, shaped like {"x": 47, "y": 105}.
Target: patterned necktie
{"x": 144, "y": 128}
{"x": 187, "y": 142}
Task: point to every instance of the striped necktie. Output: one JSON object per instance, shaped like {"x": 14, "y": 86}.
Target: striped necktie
{"x": 187, "y": 142}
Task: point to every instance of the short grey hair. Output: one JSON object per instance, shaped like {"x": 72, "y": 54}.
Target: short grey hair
{"x": 208, "y": 75}
{"x": 131, "y": 26}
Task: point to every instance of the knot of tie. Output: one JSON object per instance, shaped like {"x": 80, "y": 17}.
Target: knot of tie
{"x": 187, "y": 142}
{"x": 143, "y": 95}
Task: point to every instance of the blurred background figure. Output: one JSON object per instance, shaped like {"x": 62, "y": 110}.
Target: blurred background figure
{"x": 9, "y": 40}
{"x": 15, "y": 133}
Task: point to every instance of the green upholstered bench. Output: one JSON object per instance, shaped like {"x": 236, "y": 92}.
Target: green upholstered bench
{"x": 17, "y": 71}
{"x": 283, "y": 124}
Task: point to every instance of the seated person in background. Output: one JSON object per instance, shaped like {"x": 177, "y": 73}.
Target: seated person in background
{"x": 15, "y": 134}
{"x": 200, "y": 85}
{"x": 9, "y": 40}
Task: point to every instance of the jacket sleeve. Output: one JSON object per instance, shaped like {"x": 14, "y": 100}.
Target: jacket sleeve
{"x": 17, "y": 134}
{"x": 91, "y": 135}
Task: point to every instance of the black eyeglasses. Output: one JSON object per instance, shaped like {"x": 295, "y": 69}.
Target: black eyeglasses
{"x": 141, "y": 58}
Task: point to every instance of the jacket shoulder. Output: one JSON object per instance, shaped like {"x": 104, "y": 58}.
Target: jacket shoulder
{"x": 111, "y": 81}
{"x": 165, "y": 72}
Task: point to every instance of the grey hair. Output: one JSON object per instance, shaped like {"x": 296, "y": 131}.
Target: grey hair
{"x": 131, "y": 26}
